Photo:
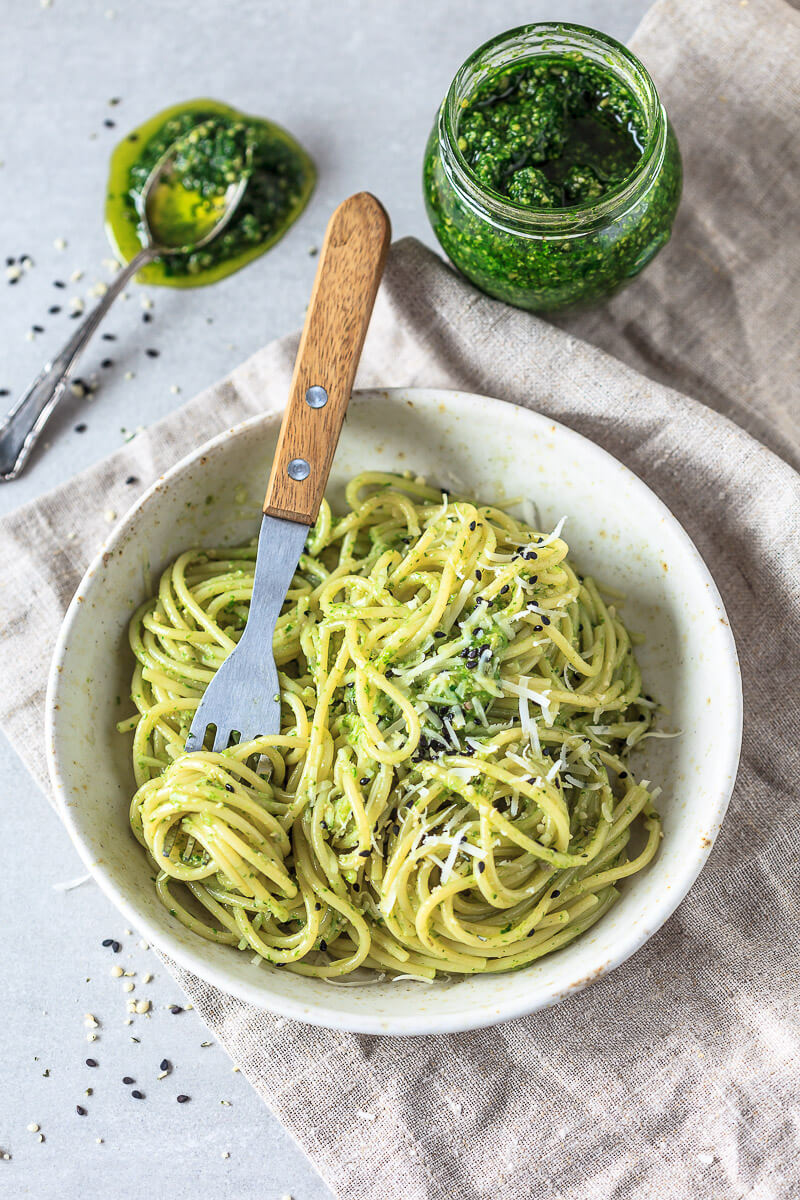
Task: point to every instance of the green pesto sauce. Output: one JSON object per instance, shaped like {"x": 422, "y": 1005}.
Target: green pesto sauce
{"x": 552, "y": 133}
{"x": 556, "y": 135}
{"x": 216, "y": 145}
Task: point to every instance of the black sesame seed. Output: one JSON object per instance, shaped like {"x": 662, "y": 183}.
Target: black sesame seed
{"x": 151, "y": 353}
{"x": 556, "y": 892}
{"x": 127, "y": 1079}
{"x": 11, "y": 282}
{"x": 54, "y": 308}
{"x": 131, "y": 479}
{"x": 317, "y": 907}
{"x": 364, "y": 780}
{"x": 108, "y": 337}
{"x": 395, "y": 829}
{"x": 481, "y": 867}
{"x": 504, "y": 589}
{"x": 37, "y": 328}
{"x": 182, "y": 1099}
{"x": 134, "y": 137}
{"x": 108, "y": 941}
{"x": 440, "y": 633}
{"x": 479, "y": 575}
{"x": 91, "y": 1062}
{"x": 356, "y": 887}
{"x": 115, "y": 946}
{"x": 10, "y": 262}
{"x": 472, "y": 526}
{"x": 229, "y": 787}
{"x": 109, "y": 124}
{"x": 82, "y": 429}
{"x": 537, "y": 629}
{"x": 175, "y": 1009}
{"x": 545, "y": 620}
{"x": 73, "y": 316}
{"x": 323, "y": 945}
{"x": 166, "y": 1065}
{"x": 623, "y": 774}
{"x": 5, "y": 392}
{"x": 147, "y": 318}
{"x": 80, "y": 1110}
{"x": 107, "y": 362}
{"x": 364, "y": 853}
{"x": 532, "y": 578}
{"x": 137, "y": 1095}
{"x": 59, "y": 283}
{"x": 115, "y": 100}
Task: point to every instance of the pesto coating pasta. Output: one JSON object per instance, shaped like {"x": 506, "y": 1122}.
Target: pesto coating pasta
{"x": 450, "y": 792}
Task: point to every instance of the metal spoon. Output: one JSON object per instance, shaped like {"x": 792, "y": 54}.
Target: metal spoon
{"x": 20, "y": 430}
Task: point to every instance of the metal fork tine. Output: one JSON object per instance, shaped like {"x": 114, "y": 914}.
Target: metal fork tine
{"x": 221, "y": 739}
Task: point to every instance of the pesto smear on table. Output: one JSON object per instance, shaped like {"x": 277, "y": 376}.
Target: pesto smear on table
{"x": 215, "y": 145}
{"x": 552, "y": 133}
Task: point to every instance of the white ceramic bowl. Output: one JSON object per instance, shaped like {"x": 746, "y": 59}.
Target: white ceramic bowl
{"x": 616, "y": 528}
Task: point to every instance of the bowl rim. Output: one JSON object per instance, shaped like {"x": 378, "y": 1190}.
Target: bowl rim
{"x": 428, "y": 1021}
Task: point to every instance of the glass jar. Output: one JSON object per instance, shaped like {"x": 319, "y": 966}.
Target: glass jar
{"x": 545, "y": 259}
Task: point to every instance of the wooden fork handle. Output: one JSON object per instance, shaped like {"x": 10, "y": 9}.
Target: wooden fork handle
{"x": 350, "y": 267}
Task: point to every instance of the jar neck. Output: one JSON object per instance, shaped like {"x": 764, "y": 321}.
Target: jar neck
{"x": 524, "y": 45}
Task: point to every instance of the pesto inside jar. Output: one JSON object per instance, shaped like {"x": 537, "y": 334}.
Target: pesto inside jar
{"x": 552, "y": 133}
{"x": 552, "y": 175}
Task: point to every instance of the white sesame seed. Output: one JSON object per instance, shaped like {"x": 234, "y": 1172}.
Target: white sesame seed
{"x": 128, "y": 932}
{"x": 128, "y": 1021}
{"x": 91, "y": 1020}
{"x": 110, "y": 515}
{"x": 6, "y": 1156}
{"x": 143, "y": 945}
{"x": 146, "y": 302}
{"x": 129, "y": 974}
{"x": 76, "y": 275}
{"x": 174, "y": 389}
{"x": 60, "y": 244}
{"x": 236, "y": 1069}
{"x": 116, "y": 972}
{"x": 91, "y": 1037}
{"x": 148, "y": 978}
{"x": 131, "y": 1006}
{"x": 130, "y": 375}
{"x": 225, "y": 1103}
{"x": 76, "y": 304}
{"x": 162, "y": 1075}
{"x": 33, "y": 1127}
{"x": 98, "y": 289}
{"x": 99, "y": 1141}
{"x": 286, "y": 1197}
{"x": 30, "y": 335}
{"x": 40, "y": 1138}
{"x": 71, "y": 537}
{"x": 13, "y": 272}
{"x": 142, "y": 1006}
{"x": 128, "y": 987}
{"x": 46, "y": 3}
{"x": 226, "y": 1153}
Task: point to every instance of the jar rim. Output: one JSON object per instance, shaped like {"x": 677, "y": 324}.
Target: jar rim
{"x": 583, "y": 217}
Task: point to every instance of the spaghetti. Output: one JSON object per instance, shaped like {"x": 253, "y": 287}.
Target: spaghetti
{"x": 450, "y": 790}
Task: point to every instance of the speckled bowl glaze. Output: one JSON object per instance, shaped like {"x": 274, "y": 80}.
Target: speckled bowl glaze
{"x": 616, "y": 528}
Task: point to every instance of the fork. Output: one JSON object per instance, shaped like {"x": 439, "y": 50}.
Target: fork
{"x": 244, "y": 696}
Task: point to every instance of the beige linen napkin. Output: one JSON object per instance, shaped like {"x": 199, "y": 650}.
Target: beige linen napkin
{"x": 676, "y": 1076}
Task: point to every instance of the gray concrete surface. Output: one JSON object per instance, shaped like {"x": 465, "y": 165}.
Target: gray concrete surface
{"x": 358, "y": 83}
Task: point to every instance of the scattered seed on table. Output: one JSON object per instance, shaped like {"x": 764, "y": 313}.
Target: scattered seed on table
{"x": 137, "y": 1095}
{"x": 107, "y": 337}
{"x": 175, "y": 1009}
{"x": 107, "y": 362}
{"x": 183, "y": 1099}
{"x": 91, "y": 1062}
{"x": 147, "y": 317}
{"x": 80, "y": 1110}
{"x": 59, "y": 283}
{"x": 131, "y": 479}
{"x": 33, "y": 1127}
{"x": 54, "y": 308}
{"x": 152, "y": 353}
{"x": 5, "y": 391}
{"x": 109, "y": 124}
{"x": 127, "y": 1079}
{"x": 166, "y": 1065}
{"x": 81, "y": 428}
{"x": 37, "y": 328}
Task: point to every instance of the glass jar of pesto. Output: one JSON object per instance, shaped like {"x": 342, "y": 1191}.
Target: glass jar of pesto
{"x": 552, "y": 174}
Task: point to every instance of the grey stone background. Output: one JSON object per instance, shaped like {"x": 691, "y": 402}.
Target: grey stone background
{"x": 357, "y": 82}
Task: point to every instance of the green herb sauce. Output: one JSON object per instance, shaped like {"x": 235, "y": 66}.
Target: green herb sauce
{"x": 215, "y": 146}
{"x": 520, "y": 186}
{"x": 552, "y": 133}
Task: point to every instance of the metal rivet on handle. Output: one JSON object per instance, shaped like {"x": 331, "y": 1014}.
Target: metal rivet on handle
{"x": 298, "y": 469}
{"x": 316, "y": 397}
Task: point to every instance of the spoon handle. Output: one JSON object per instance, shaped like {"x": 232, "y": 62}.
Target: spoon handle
{"x": 350, "y": 267}
{"x": 20, "y": 430}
